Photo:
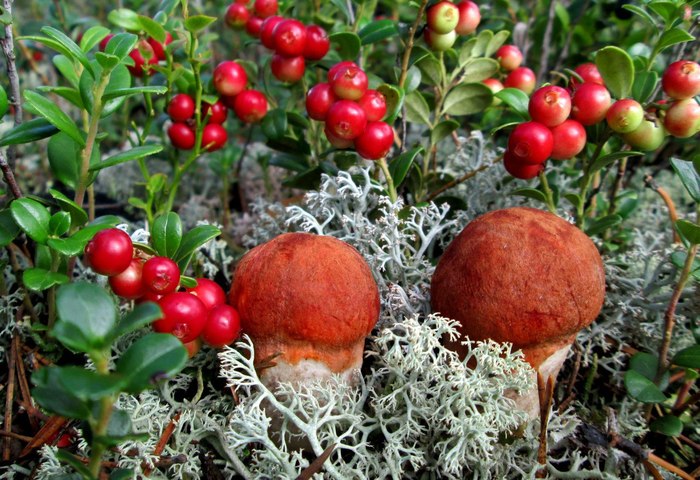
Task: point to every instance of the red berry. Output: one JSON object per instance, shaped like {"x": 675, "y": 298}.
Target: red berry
{"x": 216, "y": 113}
{"x": 550, "y": 105}
{"x": 590, "y": 103}
{"x": 442, "y": 17}
{"x": 317, "y": 43}
{"x": 265, "y": 8}
{"x": 214, "y": 137}
{"x": 374, "y": 105}
{"x": 236, "y": 16}
{"x": 161, "y": 275}
{"x": 143, "y": 55}
{"x": 346, "y": 119}
{"x": 683, "y": 118}
{"x": 624, "y": 115}
{"x": 521, "y": 78}
{"x": 336, "y": 141}
{"x": 109, "y": 252}
{"x": 184, "y": 316}
{"x": 339, "y": 66}
{"x": 209, "y": 292}
{"x": 229, "y": 78}
{"x": 589, "y": 73}
{"x": 128, "y": 284}
{"x": 439, "y": 42}
{"x": 318, "y": 100}
{"x": 568, "y": 139}
{"x": 250, "y": 106}
{"x": 181, "y": 136}
{"x": 159, "y": 48}
{"x": 510, "y": 57}
{"x": 181, "y": 107}
{"x": 349, "y": 82}
{"x": 681, "y": 80}
{"x": 469, "y": 17}
{"x": 149, "y": 296}
{"x": 287, "y": 69}
{"x": 290, "y": 38}
{"x": 376, "y": 141}
{"x": 530, "y": 142}
{"x": 647, "y": 137}
{"x": 223, "y": 326}
{"x": 523, "y": 171}
{"x": 267, "y": 31}
{"x": 495, "y": 86}
{"x": 253, "y": 26}
{"x": 105, "y": 41}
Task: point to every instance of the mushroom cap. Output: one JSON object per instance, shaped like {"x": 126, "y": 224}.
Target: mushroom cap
{"x": 308, "y": 298}
{"x": 523, "y": 276}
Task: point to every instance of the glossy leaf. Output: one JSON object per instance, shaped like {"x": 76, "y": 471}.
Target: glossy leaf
{"x": 417, "y": 109}
{"x": 688, "y": 357}
{"x": 130, "y": 91}
{"x": 54, "y": 115}
{"x": 88, "y": 308}
{"x": 195, "y": 23}
{"x": 377, "y": 31}
{"x": 669, "y": 425}
{"x": 128, "y": 156}
{"x": 394, "y": 97}
{"x": 347, "y": 44}
{"x": 64, "y": 65}
{"x": 400, "y": 165}
{"x": 517, "y": 100}
{"x": 602, "y": 224}
{"x": 70, "y": 94}
{"x": 645, "y": 364}
{"x": 50, "y": 393}
{"x": 152, "y": 28}
{"x": 149, "y": 359}
{"x": 479, "y": 69}
{"x": 166, "y": 234}
{"x": 32, "y": 217}
{"x": 64, "y": 456}
{"x": 605, "y": 160}
{"x": 496, "y": 42}
{"x": 8, "y": 228}
{"x": 142, "y": 315}
{"x": 71, "y": 49}
{"x": 92, "y": 36}
{"x": 30, "y": 131}
{"x": 467, "y": 98}
{"x": 642, "y": 389}
{"x": 65, "y": 157}
{"x": 689, "y": 231}
{"x": 77, "y": 214}
{"x": 617, "y": 70}
{"x": 274, "y": 125}
{"x": 689, "y": 176}
{"x": 443, "y": 129}
{"x": 644, "y": 85}
{"x": 192, "y": 240}
{"x": 483, "y": 39}
{"x": 88, "y": 384}
{"x": 125, "y": 18}
{"x": 672, "y": 37}
{"x": 532, "y": 193}
{"x": 59, "y": 223}
{"x": 431, "y": 70}
{"x": 39, "y": 279}
{"x": 121, "y": 44}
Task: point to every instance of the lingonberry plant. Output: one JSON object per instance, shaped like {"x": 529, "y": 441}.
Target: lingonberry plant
{"x": 148, "y": 149}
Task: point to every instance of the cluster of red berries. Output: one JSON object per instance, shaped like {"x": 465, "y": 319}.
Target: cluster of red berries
{"x": 352, "y": 113}
{"x": 239, "y": 15}
{"x": 198, "y": 312}
{"x": 147, "y": 52}
{"x": 230, "y": 80}
{"x": 181, "y": 110}
{"x": 446, "y": 20}
{"x": 510, "y": 59}
{"x": 681, "y": 82}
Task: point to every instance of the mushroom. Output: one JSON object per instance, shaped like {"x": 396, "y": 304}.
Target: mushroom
{"x": 309, "y": 301}
{"x": 523, "y": 276}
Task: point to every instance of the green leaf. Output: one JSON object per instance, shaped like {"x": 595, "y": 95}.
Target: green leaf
{"x": 688, "y": 230}
{"x": 59, "y": 223}
{"x": 106, "y": 60}
{"x": 32, "y": 217}
{"x": 30, "y": 131}
{"x": 443, "y": 129}
{"x": 50, "y": 393}
{"x": 121, "y": 44}
{"x": 195, "y": 23}
{"x": 669, "y": 425}
{"x": 689, "y": 176}
{"x": 605, "y": 160}
{"x": 38, "y": 279}
{"x": 71, "y": 49}
{"x": 77, "y": 214}
{"x": 130, "y": 91}
{"x": 517, "y": 100}
{"x": 88, "y": 308}
{"x": 125, "y": 18}
{"x": 644, "y": 85}
{"x": 119, "y": 429}
{"x": 617, "y": 70}
{"x": 149, "y": 359}
{"x": 688, "y": 357}
{"x": 70, "y": 94}
{"x": 496, "y": 42}
{"x": 642, "y": 389}
{"x": 92, "y": 37}
{"x": 530, "y": 193}
{"x": 602, "y": 224}
{"x": 377, "y": 31}
{"x": 50, "y": 111}
{"x": 121, "y": 474}
{"x": 8, "y": 228}
{"x": 483, "y": 39}
{"x": 166, "y": 234}
{"x": 400, "y": 165}
{"x": 431, "y": 70}
{"x": 413, "y": 78}
{"x": 64, "y": 158}
{"x": 347, "y": 44}
{"x": 274, "y": 125}
{"x": 192, "y": 240}
{"x": 467, "y": 98}
{"x": 64, "y": 456}
{"x": 88, "y": 384}
{"x": 187, "y": 282}
{"x": 67, "y": 69}
{"x": 641, "y": 12}
{"x": 672, "y": 37}
{"x": 128, "y": 156}
{"x": 417, "y": 110}
{"x": 142, "y": 315}
{"x": 478, "y": 69}
{"x": 465, "y": 52}
{"x": 645, "y": 364}
{"x": 666, "y": 10}
{"x": 152, "y": 28}
{"x": 69, "y": 247}
{"x": 394, "y": 97}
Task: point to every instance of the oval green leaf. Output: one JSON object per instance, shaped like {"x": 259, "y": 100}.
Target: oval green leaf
{"x": 617, "y": 69}
{"x": 32, "y": 217}
{"x": 149, "y": 359}
{"x": 467, "y": 98}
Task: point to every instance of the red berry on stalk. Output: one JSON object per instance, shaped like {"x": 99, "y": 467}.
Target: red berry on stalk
{"x": 681, "y": 80}
{"x": 265, "y": 8}
{"x": 589, "y": 73}
{"x": 509, "y": 57}
{"x": 318, "y": 100}
{"x": 267, "y": 31}
{"x": 109, "y": 252}
{"x": 181, "y": 107}
{"x": 287, "y": 69}
{"x": 521, "y": 78}
{"x": 568, "y": 139}
{"x": 550, "y": 105}
{"x": 105, "y": 41}
{"x": 159, "y": 48}
{"x": 376, "y": 141}
{"x": 439, "y": 42}
{"x": 530, "y": 142}
{"x": 143, "y": 56}
{"x": 590, "y": 103}
{"x": 349, "y": 82}
{"x": 237, "y": 16}
{"x": 336, "y": 141}
{"x": 374, "y": 105}
{"x": 184, "y": 316}
{"x": 229, "y": 78}
{"x": 128, "y": 284}
{"x": 442, "y": 17}
{"x": 339, "y": 66}
{"x": 215, "y": 113}
{"x": 253, "y": 26}
{"x": 290, "y": 38}
{"x": 469, "y": 17}
{"x": 214, "y": 137}
{"x": 223, "y": 326}
{"x": 346, "y": 119}
{"x": 682, "y": 119}
{"x": 181, "y": 136}
{"x": 250, "y": 106}
{"x": 624, "y": 115}
{"x": 520, "y": 170}
{"x": 209, "y": 292}
{"x": 161, "y": 275}
{"x": 317, "y": 43}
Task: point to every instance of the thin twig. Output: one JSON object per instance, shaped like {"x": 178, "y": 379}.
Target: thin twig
{"x": 9, "y": 399}
{"x": 431, "y": 196}
{"x": 669, "y": 466}
{"x": 670, "y": 205}
{"x": 545, "y": 391}
{"x": 22, "y": 381}
{"x": 163, "y": 441}
{"x": 409, "y": 44}
{"x": 547, "y": 41}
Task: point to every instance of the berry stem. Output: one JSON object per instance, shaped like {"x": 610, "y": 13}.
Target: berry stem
{"x": 409, "y": 44}
{"x": 389, "y": 179}
{"x": 547, "y": 192}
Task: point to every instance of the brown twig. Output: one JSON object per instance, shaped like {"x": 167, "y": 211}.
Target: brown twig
{"x": 545, "y": 391}
{"x": 162, "y": 441}
{"x": 22, "y": 381}
{"x": 16, "y": 436}
{"x": 409, "y": 44}
{"x": 9, "y": 399}
{"x": 569, "y": 396}
{"x": 432, "y": 195}
{"x": 7, "y": 46}
{"x": 546, "y": 42}
{"x": 669, "y": 466}
{"x": 672, "y": 213}
{"x": 316, "y": 465}
{"x": 48, "y": 431}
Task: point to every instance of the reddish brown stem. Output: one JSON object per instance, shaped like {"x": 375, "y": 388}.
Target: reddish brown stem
{"x": 9, "y": 399}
